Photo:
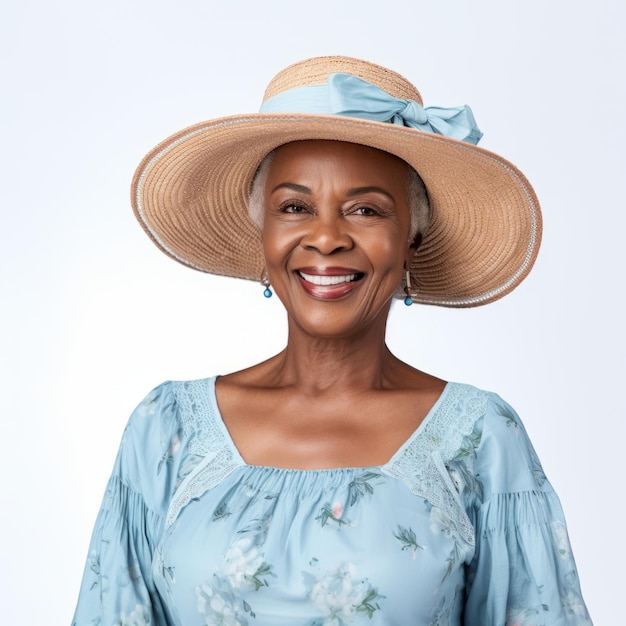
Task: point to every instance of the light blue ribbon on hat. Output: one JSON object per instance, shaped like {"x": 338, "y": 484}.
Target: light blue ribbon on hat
{"x": 351, "y": 96}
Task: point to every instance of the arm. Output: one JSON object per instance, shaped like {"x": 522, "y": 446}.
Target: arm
{"x": 117, "y": 587}
{"x": 523, "y": 572}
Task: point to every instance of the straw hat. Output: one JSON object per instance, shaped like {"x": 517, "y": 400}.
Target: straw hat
{"x": 190, "y": 193}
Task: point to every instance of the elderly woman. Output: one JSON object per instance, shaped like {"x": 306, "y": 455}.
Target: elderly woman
{"x": 334, "y": 484}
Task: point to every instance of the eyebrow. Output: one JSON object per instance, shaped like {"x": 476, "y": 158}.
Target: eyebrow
{"x": 359, "y": 190}
{"x": 300, "y": 188}
{"x": 351, "y": 192}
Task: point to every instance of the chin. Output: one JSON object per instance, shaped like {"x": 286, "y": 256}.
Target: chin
{"x": 329, "y": 322}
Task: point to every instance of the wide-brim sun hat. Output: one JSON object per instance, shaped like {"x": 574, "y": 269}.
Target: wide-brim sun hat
{"x": 191, "y": 192}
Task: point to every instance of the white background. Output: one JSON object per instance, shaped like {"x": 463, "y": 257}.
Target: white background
{"x": 94, "y": 316}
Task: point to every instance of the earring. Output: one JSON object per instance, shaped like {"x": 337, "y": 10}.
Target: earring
{"x": 407, "y": 288}
{"x": 267, "y": 292}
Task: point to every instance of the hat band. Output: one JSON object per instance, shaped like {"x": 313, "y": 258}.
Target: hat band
{"x": 351, "y": 96}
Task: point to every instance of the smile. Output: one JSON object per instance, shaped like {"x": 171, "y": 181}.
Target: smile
{"x": 328, "y": 280}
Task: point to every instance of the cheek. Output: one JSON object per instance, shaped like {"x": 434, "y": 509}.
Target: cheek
{"x": 277, "y": 243}
{"x": 388, "y": 253}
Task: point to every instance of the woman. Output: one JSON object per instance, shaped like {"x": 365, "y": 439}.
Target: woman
{"x": 334, "y": 484}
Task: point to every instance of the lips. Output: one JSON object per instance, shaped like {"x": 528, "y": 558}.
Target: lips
{"x": 329, "y": 283}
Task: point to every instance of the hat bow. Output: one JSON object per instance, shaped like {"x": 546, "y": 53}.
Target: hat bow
{"x": 350, "y": 96}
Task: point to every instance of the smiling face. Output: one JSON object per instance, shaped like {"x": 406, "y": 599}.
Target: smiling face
{"x": 335, "y": 234}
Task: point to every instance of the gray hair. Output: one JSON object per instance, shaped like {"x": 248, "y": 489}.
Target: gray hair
{"x": 417, "y": 198}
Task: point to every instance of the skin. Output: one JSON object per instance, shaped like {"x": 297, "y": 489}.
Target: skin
{"x": 335, "y": 396}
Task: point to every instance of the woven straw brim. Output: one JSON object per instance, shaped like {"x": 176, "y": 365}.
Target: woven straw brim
{"x": 191, "y": 192}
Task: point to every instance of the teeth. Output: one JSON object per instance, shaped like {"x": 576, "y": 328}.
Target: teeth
{"x": 328, "y": 280}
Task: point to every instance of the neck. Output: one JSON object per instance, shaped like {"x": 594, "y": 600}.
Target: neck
{"x": 319, "y": 365}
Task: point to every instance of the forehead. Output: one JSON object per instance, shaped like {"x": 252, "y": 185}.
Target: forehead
{"x": 301, "y": 157}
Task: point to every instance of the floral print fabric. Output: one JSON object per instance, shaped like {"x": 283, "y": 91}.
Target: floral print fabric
{"x": 461, "y": 527}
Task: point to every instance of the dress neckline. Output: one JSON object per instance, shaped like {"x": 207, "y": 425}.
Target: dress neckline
{"x": 239, "y": 460}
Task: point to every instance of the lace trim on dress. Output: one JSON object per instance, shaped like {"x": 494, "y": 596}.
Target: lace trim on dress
{"x": 198, "y": 416}
{"x": 200, "y": 421}
{"x": 421, "y": 464}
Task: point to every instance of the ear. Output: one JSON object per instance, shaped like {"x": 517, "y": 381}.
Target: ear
{"x": 411, "y": 250}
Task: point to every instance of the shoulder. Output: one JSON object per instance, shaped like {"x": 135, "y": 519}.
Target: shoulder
{"x": 483, "y": 411}
{"x": 171, "y": 408}
{"x": 454, "y": 423}
{"x": 485, "y": 433}
{"x": 165, "y": 438}
{"x": 152, "y": 422}
{"x": 501, "y": 453}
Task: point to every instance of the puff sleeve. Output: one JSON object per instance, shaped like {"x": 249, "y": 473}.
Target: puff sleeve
{"x": 523, "y": 572}
{"x": 117, "y": 587}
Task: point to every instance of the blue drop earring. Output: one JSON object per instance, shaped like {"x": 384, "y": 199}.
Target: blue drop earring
{"x": 408, "y": 301}
{"x": 267, "y": 292}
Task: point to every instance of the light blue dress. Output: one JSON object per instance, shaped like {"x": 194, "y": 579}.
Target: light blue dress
{"x": 459, "y": 527}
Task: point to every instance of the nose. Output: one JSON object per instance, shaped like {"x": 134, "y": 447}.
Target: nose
{"x": 327, "y": 234}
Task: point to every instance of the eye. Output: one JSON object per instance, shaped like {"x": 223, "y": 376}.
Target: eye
{"x": 365, "y": 211}
{"x": 293, "y": 208}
